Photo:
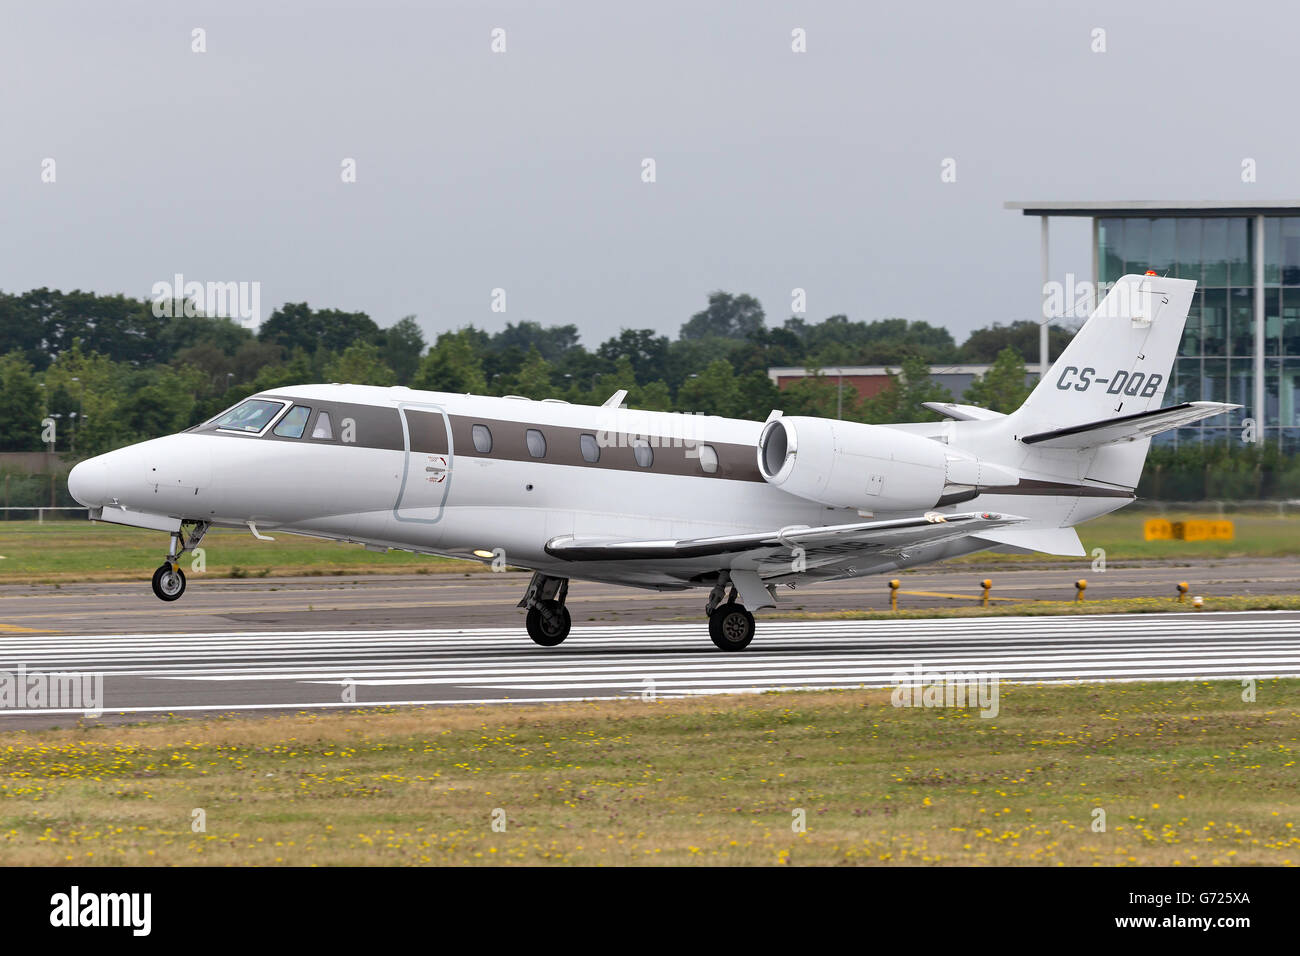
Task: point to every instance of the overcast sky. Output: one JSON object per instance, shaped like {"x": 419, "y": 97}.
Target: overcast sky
{"x": 522, "y": 170}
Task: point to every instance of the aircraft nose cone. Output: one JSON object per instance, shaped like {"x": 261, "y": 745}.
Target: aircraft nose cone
{"x": 88, "y": 482}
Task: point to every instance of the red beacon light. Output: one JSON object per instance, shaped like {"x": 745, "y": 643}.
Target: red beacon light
{"x": 1151, "y": 272}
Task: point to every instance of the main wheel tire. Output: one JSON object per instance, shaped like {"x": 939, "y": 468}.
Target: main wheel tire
{"x": 731, "y": 627}
{"x": 168, "y": 583}
{"x": 549, "y": 623}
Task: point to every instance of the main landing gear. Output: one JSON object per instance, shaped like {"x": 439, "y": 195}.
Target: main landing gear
{"x": 169, "y": 579}
{"x": 731, "y": 626}
{"x": 548, "y": 619}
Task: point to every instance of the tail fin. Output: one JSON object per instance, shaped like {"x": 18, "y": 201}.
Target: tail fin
{"x": 1119, "y": 363}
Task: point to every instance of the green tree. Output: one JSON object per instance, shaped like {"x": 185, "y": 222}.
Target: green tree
{"x": 713, "y": 391}
{"x": 1002, "y": 388}
{"x": 297, "y": 325}
{"x": 403, "y": 344}
{"x": 901, "y": 400}
{"x": 360, "y": 364}
{"x": 454, "y": 364}
{"x": 727, "y": 317}
{"x": 984, "y": 345}
{"x": 20, "y": 404}
{"x": 533, "y": 379}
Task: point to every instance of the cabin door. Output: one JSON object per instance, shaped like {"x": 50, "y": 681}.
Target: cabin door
{"x": 426, "y": 482}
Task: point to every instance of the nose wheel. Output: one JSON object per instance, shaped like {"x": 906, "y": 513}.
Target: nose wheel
{"x": 169, "y": 582}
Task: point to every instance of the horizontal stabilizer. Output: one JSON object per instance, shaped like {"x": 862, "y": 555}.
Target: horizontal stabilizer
{"x": 1127, "y": 427}
{"x": 1028, "y": 540}
{"x": 963, "y": 413}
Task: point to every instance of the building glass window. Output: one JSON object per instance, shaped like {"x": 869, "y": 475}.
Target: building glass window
{"x": 1110, "y": 255}
{"x": 482, "y": 436}
{"x": 1189, "y": 249}
{"x": 1214, "y": 321}
{"x": 1242, "y": 322}
{"x": 1164, "y": 246}
{"x": 1289, "y": 247}
{"x": 590, "y": 448}
{"x": 1240, "y": 243}
{"x": 1214, "y": 251}
{"x": 536, "y": 443}
{"x": 1137, "y": 246}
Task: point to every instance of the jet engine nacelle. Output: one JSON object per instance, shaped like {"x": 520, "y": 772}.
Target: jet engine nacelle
{"x": 869, "y": 467}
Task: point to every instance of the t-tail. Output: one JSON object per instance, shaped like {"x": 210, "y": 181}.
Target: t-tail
{"x": 1093, "y": 415}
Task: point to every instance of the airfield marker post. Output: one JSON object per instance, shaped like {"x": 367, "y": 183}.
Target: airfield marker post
{"x": 987, "y": 585}
{"x": 1080, "y": 586}
{"x": 894, "y": 585}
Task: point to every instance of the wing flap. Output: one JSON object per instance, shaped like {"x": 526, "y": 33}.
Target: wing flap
{"x": 895, "y": 532}
{"x": 1127, "y": 427}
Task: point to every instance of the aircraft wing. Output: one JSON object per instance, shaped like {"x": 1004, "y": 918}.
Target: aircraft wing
{"x": 1128, "y": 427}
{"x": 895, "y": 533}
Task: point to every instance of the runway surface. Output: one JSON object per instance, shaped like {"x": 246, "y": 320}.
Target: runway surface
{"x": 454, "y": 600}
{"x": 186, "y": 673}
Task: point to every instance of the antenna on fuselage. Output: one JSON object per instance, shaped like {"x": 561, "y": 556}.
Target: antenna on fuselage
{"x": 615, "y": 400}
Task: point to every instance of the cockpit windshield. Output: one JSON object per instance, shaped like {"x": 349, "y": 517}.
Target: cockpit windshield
{"x": 250, "y": 416}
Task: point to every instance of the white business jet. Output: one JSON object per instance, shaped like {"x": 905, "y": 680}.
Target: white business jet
{"x": 662, "y": 500}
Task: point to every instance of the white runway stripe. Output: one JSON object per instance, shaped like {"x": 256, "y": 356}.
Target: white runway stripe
{"x": 271, "y": 670}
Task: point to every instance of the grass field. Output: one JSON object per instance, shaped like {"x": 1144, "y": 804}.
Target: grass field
{"x": 1186, "y": 774}
{"x": 85, "y": 551}
{"x": 79, "y": 550}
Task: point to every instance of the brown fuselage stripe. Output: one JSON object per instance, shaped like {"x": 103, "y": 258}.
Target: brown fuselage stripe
{"x": 381, "y": 427}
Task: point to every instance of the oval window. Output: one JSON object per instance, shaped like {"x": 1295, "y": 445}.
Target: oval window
{"x": 536, "y": 443}
{"x": 590, "y": 448}
{"x": 482, "y": 439}
{"x": 708, "y": 459}
{"x": 642, "y": 452}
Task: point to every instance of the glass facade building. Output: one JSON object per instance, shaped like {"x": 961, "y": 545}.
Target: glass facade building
{"x": 1218, "y": 245}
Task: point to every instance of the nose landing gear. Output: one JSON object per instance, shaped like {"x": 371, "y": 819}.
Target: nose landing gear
{"x": 169, "y": 582}
{"x": 548, "y": 619}
{"x": 169, "y": 579}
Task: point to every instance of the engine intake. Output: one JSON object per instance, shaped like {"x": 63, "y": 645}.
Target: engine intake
{"x": 868, "y": 467}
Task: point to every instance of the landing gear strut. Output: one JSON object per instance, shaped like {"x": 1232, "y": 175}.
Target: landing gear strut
{"x": 169, "y": 579}
{"x": 548, "y": 619}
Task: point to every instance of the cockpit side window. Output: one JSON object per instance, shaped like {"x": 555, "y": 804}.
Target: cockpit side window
{"x": 250, "y": 416}
{"x": 293, "y": 423}
{"x": 324, "y": 428}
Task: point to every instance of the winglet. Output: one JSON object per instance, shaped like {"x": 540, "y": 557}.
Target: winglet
{"x": 615, "y": 400}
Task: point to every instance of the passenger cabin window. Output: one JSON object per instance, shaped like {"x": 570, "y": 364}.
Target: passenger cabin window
{"x": 708, "y": 459}
{"x": 250, "y": 416}
{"x": 324, "y": 428}
{"x": 590, "y": 448}
{"x": 642, "y": 452}
{"x": 294, "y": 422}
{"x": 483, "y": 439}
{"x": 536, "y": 443}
